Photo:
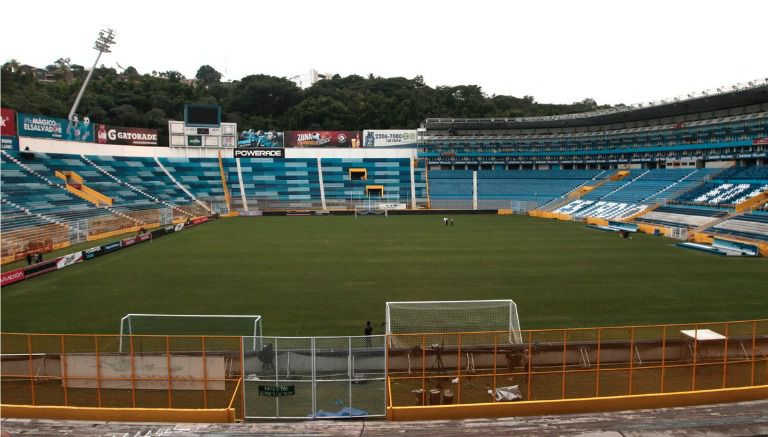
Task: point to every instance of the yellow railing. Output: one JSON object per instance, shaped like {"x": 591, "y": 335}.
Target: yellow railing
{"x": 227, "y": 197}
{"x": 128, "y": 372}
{"x": 468, "y": 368}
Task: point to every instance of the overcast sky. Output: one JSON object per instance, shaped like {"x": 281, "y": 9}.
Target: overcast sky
{"x": 557, "y": 51}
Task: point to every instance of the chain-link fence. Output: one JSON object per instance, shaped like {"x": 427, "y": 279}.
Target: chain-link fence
{"x": 315, "y": 377}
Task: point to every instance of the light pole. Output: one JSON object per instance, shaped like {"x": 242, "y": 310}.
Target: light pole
{"x": 106, "y": 38}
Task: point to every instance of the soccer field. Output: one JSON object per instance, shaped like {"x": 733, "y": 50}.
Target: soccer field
{"x": 328, "y": 275}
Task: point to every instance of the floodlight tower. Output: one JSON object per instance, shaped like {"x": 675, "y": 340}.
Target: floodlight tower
{"x": 106, "y": 38}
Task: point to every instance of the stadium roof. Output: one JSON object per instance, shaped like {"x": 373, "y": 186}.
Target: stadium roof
{"x": 722, "y": 98}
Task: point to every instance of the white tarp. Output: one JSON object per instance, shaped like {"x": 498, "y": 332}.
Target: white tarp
{"x": 150, "y": 371}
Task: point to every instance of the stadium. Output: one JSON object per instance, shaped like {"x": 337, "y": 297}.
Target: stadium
{"x": 465, "y": 268}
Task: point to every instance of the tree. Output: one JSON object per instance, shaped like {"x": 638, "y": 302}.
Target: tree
{"x": 260, "y": 101}
{"x": 208, "y": 75}
{"x": 61, "y": 69}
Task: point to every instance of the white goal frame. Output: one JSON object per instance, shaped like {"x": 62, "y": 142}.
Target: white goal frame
{"x": 513, "y": 323}
{"x": 366, "y": 210}
{"x": 125, "y": 322}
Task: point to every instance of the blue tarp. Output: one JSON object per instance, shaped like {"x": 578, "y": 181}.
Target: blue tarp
{"x": 344, "y": 412}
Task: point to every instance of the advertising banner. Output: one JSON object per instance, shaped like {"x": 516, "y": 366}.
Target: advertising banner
{"x": 126, "y": 136}
{"x": 199, "y": 220}
{"x": 7, "y": 122}
{"x": 68, "y": 260}
{"x": 262, "y": 152}
{"x": 389, "y": 138}
{"x": 93, "y": 252}
{"x": 133, "y": 240}
{"x": 40, "y": 268}
{"x": 12, "y": 276}
{"x": 306, "y": 138}
{"x": 42, "y": 126}
{"x": 259, "y": 138}
{"x": 111, "y": 247}
{"x": 760, "y": 141}
{"x": 9, "y": 143}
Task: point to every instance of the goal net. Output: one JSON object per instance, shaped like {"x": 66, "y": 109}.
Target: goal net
{"x": 248, "y": 326}
{"x": 497, "y": 320}
{"x": 370, "y": 210}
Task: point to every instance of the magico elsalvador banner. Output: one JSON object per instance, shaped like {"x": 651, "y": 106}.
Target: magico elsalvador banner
{"x": 322, "y": 138}
{"x": 127, "y": 136}
{"x": 42, "y": 126}
{"x": 389, "y": 138}
{"x": 7, "y": 122}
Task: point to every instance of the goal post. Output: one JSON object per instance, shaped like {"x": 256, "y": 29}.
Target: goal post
{"x": 370, "y": 210}
{"x": 191, "y": 325}
{"x": 458, "y": 316}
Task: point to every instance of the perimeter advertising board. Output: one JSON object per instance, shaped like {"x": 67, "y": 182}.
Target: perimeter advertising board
{"x": 307, "y": 138}
{"x": 259, "y": 138}
{"x": 389, "y": 138}
{"x": 9, "y": 143}
{"x": 41, "y": 126}
{"x": 126, "y": 136}
{"x": 7, "y": 122}
{"x": 260, "y": 152}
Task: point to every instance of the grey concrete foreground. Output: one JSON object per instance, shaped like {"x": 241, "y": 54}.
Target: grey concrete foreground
{"x": 737, "y": 419}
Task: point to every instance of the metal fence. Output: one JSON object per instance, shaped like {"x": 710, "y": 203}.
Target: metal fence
{"x": 90, "y": 371}
{"x": 315, "y": 377}
{"x": 335, "y": 377}
{"x": 576, "y": 363}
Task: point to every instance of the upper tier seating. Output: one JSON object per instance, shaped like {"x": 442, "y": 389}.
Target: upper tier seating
{"x": 730, "y": 187}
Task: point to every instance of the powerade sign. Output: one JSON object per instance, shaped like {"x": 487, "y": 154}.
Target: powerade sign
{"x": 42, "y": 126}
{"x": 261, "y": 152}
{"x": 389, "y": 138}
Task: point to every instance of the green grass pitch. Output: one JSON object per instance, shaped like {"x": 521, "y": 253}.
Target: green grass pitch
{"x": 328, "y": 275}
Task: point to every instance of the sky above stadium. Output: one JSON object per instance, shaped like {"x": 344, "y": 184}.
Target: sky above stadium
{"x": 557, "y": 51}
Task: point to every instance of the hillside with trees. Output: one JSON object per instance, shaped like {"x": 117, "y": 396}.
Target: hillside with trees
{"x": 129, "y": 98}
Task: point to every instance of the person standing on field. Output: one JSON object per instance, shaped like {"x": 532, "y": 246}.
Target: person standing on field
{"x": 368, "y": 332}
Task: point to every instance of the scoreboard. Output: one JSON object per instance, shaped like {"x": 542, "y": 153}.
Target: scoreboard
{"x": 202, "y": 127}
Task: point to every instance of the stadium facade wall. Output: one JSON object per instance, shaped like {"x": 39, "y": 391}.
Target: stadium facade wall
{"x": 38, "y": 145}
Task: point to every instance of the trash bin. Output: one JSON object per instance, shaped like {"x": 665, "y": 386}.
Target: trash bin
{"x": 434, "y": 396}
{"x": 419, "y": 393}
{"x": 447, "y": 397}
